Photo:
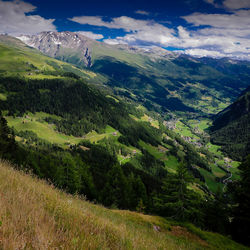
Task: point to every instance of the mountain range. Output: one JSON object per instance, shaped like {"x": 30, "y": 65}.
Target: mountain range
{"x": 159, "y": 79}
{"x": 135, "y": 128}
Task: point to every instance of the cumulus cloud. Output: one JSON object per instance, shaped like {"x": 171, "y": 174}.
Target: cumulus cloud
{"x": 215, "y": 54}
{"x": 137, "y": 30}
{"x": 115, "y": 41}
{"x": 227, "y": 34}
{"x": 236, "y": 4}
{"x": 203, "y": 53}
{"x": 237, "y": 20}
{"x": 231, "y": 4}
{"x": 126, "y": 23}
{"x": 215, "y": 35}
{"x": 91, "y": 35}
{"x": 142, "y": 12}
{"x": 15, "y": 19}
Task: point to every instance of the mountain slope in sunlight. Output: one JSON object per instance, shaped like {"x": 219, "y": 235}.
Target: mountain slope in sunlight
{"x": 38, "y": 216}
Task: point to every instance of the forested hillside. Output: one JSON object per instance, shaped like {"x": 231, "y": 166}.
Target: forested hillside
{"x": 231, "y": 128}
{"x": 158, "y": 79}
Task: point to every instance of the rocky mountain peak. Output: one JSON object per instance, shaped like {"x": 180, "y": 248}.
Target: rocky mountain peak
{"x": 56, "y": 44}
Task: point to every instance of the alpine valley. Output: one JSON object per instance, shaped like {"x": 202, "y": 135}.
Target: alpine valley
{"x": 130, "y": 128}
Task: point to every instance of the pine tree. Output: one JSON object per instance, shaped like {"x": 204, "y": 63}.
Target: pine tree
{"x": 116, "y": 191}
{"x": 176, "y": 200}
{"x": 241, "y": 213}
{"x": 138, "y": 192}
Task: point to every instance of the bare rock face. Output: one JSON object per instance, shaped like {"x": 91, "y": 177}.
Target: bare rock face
{"x": 61, "y": 45}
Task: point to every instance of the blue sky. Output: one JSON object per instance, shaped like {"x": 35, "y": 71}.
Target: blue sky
{"x": 166, "y": 12}
{"x": 196, "y": 27}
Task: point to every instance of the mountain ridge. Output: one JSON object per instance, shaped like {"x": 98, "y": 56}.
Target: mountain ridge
{"x": 159, "y": 79}
{"x": 231, "y": 127}
{"x": 93, "y": 142}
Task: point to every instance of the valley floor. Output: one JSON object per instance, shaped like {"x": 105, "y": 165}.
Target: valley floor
{"x": 35, "y": 215}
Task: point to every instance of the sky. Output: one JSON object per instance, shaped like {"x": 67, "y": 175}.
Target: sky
{"x": 216, "y": 28}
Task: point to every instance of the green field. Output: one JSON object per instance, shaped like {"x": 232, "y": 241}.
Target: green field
{"x": 210, "y": 180}
{"x": 199, "y": 126}
{"x": 218, "y": 172}
{"x": 35, "y": 122}
{"x": 184, "y": 130}
{"x": 214, "y": 149}
{"x": 3, "y": 97}
{"x": 145, "y": 118}
{"x": 45, "y": 131}
{"x": 170, "y": 161}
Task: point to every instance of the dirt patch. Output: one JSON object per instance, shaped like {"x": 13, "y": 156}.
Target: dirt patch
{"x": 183, "y": 232}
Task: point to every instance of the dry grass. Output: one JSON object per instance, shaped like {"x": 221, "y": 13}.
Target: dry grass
{"x": 34, "y": 215}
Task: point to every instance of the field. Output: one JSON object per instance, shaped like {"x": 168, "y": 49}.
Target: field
{"x": 184, "y": 130}
{"x": 45, "y": 131}
{"x": 196, "y": 129}
{"x": 170, "y": 161}
{"x": 210, "y": 181}
{"x": 35, "y": 215}
{"x": 218, "y": 172}
{"x": 145, "y": 118}
{"x": 154, "y": 123}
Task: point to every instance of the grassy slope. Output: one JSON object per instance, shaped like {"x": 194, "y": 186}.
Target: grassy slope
{"x": 33, "y": 122}
{"x": 35, "y": 215}
{"x": 17, "y": 58}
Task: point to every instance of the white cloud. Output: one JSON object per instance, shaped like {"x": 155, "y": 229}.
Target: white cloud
{"x": 124, "y": 22}
{"x": 227, "y": 34}
{"x": 138, "y": 30}
{"x": 203, "y": 53}
{"x": 237, "y": 20}
{"x": 91, "y": 35}
{"x": 203, "y": 42}
{"x": 142, "y": 12}
{"x": 14, "y": 19}
{"x": 117, "y": 40}
{"x": 91, "y": 20}
{"x": 236, "y": 4}
{"x": 231, "y": 4}
{"x": 214, "y": 35}
{"x": 215, "y": 54}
